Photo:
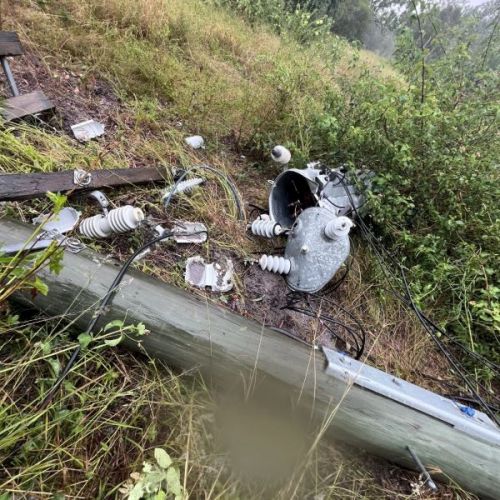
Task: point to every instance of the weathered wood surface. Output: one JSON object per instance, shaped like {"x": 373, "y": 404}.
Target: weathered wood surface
{"x": 23, "y": 105}
{"x": 10, "y": 44}
{"x": 15, "y": 187}
{"x": 189, "y": 333}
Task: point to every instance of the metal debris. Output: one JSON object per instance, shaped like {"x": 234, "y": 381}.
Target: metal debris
{"x": 195, "y": 141}
{"x": 310, "y": 206}
{"x": 87, "y": 130}
{"x": 81, "y": 177}
{"x": 102, "y": 199}
{"x": 53, "y": 229}
{"x": 62, "y": 222}
{"x": 215, "y": 276}
{"x": 189, "y": 232}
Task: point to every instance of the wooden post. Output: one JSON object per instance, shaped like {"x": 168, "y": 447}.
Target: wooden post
{"x": 189, "y": 333}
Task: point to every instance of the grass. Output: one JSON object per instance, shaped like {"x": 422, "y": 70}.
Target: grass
{"x": 170, "y": 69}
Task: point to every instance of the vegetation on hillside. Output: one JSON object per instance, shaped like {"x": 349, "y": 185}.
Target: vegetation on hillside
{"x": 427, "y": 126}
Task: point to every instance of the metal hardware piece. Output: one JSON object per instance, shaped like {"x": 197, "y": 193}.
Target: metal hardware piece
{"x": 216, "y": 276}
{"x": 81, "y": 177}
{"x": 189, "y": 232}
{"x": 53, "y": 228}
{"x": 423, "y": 470}
{"x": 10, "y": 77}
{"x": 352, "y": 372}
{"x": 102, "y": 199}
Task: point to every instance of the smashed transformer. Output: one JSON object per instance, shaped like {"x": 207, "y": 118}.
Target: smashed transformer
{"x": 309, "y": 206}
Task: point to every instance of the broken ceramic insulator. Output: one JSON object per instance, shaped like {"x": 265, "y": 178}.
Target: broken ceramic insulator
{"x": 275, "y": 264}
{"x": 281, "y": 155}
{"x": 182, "y": 187}
{"x": 266, "y": 227}
{"x": 338, "y": 227}
{"x": 118, "y": 220}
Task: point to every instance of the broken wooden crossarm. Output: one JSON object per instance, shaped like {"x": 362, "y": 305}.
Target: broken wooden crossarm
{"x": 359, "y": 405}
{"x": 18, "y": 106}
{"x": 16, "y": 187}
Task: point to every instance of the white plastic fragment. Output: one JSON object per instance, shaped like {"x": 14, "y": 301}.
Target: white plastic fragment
{"x": 87, "y": 130}
{"x": 118, "y": 220}
{"x": 281, "y": 155}
{"x": 214, "y": 275}
{"x": 195, "y": 141}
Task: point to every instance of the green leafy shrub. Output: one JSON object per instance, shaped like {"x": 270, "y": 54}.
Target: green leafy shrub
{"x": 434, "y": 147}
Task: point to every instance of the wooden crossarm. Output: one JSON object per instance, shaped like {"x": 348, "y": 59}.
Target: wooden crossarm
{"x": 10, "y": 44}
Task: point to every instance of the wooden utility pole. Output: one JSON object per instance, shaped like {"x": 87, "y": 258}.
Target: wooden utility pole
{"x": 362, "y": 406}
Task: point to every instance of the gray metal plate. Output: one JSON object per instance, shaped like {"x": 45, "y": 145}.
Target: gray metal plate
{"x": 314, "y": 258}
{"x": 350, "y": 371}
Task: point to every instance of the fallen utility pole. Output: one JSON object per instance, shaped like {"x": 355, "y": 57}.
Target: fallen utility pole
{"x": 16, "y": 187}
{"x": 369, "y": 409}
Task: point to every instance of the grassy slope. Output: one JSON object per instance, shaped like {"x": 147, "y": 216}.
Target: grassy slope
{"x": 154, "y": 72}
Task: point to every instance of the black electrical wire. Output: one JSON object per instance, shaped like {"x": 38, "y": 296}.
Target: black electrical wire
{"x": 357, "y": 335}
{"x": 105, "y": 301}
{"x": 428, "y": 325}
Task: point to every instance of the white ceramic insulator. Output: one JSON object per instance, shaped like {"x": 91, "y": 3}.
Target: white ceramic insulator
{"x": 338, "y": 227}
{"x": 281, "y": 155}
{"x": 182, "y": 187}
{"x": 266, "y": 227}
{"x": 275, "y": 264}
{"x": 118, "y": 220}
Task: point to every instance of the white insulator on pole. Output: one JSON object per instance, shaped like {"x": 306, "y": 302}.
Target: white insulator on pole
{"x": 266, "y": 227}
{"x": 281, "y": 155}
{"x": 182, "y": 187}
{"x": 275, "y": 264}
{"x": 118, "y": 220}
{"x": 338, "y": 227}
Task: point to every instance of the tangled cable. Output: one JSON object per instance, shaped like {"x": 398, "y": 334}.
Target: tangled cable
{"x": 352, "y": 336}
{"x": 382, "y": 255}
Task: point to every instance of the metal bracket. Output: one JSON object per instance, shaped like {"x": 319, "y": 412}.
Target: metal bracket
{"x": 81, "y": 177}
{"x": 353, "y": 372}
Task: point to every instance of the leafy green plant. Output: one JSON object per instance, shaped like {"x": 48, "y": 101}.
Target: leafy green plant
{"x": 157, "y": 481}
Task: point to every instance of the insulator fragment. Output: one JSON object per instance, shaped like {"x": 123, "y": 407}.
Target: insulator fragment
{"x": 182, "y": 187}
{"x": 275, "y": 264}
{"x": 118, "y": 220}
{"x": 266, "y": 227}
